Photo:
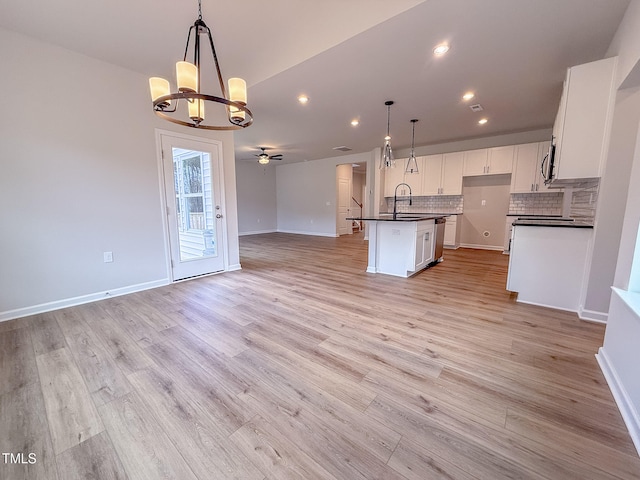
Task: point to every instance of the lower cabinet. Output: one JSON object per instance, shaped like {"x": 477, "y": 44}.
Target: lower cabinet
{"x": 424, "y": 245}
{"x": 451, "y": 232}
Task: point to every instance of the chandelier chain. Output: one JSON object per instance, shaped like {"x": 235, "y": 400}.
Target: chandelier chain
{"x": 199, "y": 9}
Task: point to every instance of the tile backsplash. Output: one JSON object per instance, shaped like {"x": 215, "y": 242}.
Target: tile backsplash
{"x": 548, "y": 203}
{"x": 584, "y": 201}
{"x": 432, "y": 204}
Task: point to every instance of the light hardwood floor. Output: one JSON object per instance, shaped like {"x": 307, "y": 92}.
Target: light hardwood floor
{"x": 303, "y": 366}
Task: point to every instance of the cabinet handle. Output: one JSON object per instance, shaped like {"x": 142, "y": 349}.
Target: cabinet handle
{"x": 532, "y": 187}
{"x": 537, "y": 185}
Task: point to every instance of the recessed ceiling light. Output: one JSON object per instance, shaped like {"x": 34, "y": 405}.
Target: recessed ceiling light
{"x": 355, "y": 122}
{"x": 468, "y": 96}
{"x": 441, "y": 49}
{"x": 482, "y": 121}
{"x": 303, "y": 99}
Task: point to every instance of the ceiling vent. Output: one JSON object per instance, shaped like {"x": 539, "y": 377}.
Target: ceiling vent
{"x": 476, "y": 108}
{"x": 343, "y": 148}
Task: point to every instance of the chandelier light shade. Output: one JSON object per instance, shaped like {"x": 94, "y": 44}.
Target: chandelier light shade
{"x": 412, "y": 163}
{"x": 187, "y": 105}
{"x": 387, "y": 160}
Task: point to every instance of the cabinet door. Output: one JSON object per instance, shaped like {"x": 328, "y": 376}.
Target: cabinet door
{"x": 450, "y": 231}
{"x": 414, "y": 179}
{"x": 590, "y": 96}
{"x": 538, "y": 179}
{"x": 507, "y": 234}
{"x": 432, "y": 177}
{"x": 500, "y": 159}
{"x": 392, "y": 177}
{"x": 475, "y": 162}
{"x": 452, "y": 164}
{"x": 524, "y": 169}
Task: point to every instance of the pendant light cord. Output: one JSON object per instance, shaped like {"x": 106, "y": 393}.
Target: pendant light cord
{"x": 199, "y": 9}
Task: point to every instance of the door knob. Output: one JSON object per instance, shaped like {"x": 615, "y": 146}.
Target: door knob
{"x": 218, "y": 215}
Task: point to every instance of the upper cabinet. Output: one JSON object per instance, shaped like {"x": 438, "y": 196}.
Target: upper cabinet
{"x": 527, "y": 176}
{"x": 475, "y": 162}
{"x": 393, "y": 177}
{"x": 442, "y": 174}
{"x": 452, "y": 174}
{"x": 488, "y": 161}
{"x": 583, "y": 123}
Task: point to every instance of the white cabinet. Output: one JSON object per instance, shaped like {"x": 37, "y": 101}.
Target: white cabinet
{"x": 393, "y": 177}
{"x": 424, "y": 245}
{"x": 452, "y": 174}
{"x": 475, "y": 162}
{"x": 489, "y": 161}
{"x": 432, "y": 178}
{"x": 396, "y": 175}
{"x": 547, "y": 265}
{"x": 527, "y": 176}
{"x": 451, "y": 232}
{"x": 583, "y": 123}
{"x": 442, "y": 174}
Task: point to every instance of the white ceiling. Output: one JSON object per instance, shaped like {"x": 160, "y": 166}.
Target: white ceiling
{"x": 349, "y": 56}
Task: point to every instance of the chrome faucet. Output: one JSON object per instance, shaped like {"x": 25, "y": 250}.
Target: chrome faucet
{"x": 395, "y": 198}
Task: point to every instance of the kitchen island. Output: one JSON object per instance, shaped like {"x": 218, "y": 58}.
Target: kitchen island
{"x": 401, "y": 245}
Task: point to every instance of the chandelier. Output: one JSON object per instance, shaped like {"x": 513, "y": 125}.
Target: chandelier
{"x": 387, "y": 160}
{"x": 412, "y": 163}
{"x": 167, "y": 104}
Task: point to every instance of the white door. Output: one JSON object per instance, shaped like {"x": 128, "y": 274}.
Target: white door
{"x": 192, "y": 171}
{"x": 344, "y": 179}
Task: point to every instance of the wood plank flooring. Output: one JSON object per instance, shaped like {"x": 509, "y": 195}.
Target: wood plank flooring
{"x": 302, "y": 366}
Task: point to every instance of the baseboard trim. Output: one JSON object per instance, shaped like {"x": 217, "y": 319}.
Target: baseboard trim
{"x": 592, "y": 316}
{"x": 499, "y": 248}
{"x": 313, "y": 234}
{"x": 234, "y": 267}
{"x": 547, "y": 306}
{"x": 256, "y": 232}
{"x": 628, "y": 411}
{"x": 70, "y": 302}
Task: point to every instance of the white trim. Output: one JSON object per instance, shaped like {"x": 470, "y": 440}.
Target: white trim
{"x": 315, "y": 234}
{"x": 625, "y": 405}
{"x": 497, "y": 248}
{"x": 234, "y": 267}
{"x": 256, "y": 232}
{"x": 70, "y": 302}
{"x": 547, "y": 306}
{"x": 592, "y": 316}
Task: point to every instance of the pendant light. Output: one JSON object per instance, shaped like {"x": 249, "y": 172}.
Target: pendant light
{"x": 412, "y": 163}
{"x": 387, "y": 160}
{"x": 188, "y": 74}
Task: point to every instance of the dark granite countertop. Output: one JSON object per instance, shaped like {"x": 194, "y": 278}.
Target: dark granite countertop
{"x": 402, "y": 217}
{"x": 552, "y": 223}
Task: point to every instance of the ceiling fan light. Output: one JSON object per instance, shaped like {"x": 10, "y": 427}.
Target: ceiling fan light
{"x": 263, "y": 160}
{"x": 159, "y": 87}
{"x": 187, "y": 77}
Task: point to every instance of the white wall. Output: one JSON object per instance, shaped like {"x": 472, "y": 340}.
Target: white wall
{"x": 620, "y": 355}
{"x": 256, "y": 187}
{"x": 307, "y": 196}
{"x": 80, "y": 177}
{"x": 612, "y": 198}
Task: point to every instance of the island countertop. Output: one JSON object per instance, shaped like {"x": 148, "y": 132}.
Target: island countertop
{"x": 402, "y": 217}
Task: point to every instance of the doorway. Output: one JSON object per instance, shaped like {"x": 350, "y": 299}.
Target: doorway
{"x": 351, "y": 192}
{"x": 192, "y": 173}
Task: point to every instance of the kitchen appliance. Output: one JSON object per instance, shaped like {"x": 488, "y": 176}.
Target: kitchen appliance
{"x": 548, "y": 163}
{"x": 439, "y": 236}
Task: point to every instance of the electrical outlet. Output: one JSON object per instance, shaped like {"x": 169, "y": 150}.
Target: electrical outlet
{"x": 108, "y": 257}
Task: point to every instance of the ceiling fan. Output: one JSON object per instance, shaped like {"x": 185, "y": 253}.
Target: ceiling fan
{"x": 264, "y": 157}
